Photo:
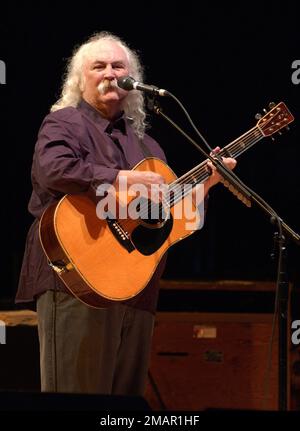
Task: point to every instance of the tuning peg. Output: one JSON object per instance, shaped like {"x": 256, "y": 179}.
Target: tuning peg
{"x": 272, "y": 105}
{"x": 258, "y": 116}
{"x": 273, "y": 139}
{"x": 280, "y": 133}
{"x": 287, "y": 128}
{"x": 265, "y": 111}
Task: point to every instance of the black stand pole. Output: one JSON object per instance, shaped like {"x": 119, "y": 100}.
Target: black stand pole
{"x": 283, "y": 296}
{"x": 282, "y": 283}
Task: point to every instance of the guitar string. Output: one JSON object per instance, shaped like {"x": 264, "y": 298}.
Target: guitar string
{"x": 233, "y": 149}
{"x": 256, "y": 130}
{"x": 199, "y": 172}
{"x": 200, "y": 176}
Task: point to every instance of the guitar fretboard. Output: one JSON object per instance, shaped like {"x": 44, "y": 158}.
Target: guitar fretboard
{"x": 197, "y": 175}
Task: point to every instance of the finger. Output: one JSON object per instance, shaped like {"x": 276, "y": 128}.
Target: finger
{"x": 216, "y": 150}
{"x": 230, "y": 161}
{"x": 211, "y": 164}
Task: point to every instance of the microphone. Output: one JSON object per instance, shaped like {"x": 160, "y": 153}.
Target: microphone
{"x": 128, "y": 83}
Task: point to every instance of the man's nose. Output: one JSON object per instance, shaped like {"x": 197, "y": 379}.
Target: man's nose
{"x": 109, "y": 72}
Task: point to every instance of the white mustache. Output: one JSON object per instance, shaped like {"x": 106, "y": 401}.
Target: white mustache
{"x": 107, "y": 85}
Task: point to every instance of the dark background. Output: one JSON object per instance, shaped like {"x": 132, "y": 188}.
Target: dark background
{"x": 225, "y": 64}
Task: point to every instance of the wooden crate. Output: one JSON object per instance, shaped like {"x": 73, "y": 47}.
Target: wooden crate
{"x": 212, "y": 360}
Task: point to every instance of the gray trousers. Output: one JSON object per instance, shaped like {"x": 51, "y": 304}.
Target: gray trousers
{"x": 87, "y": 350}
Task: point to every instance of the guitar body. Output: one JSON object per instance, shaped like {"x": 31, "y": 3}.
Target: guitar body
{"x": 96, "y": 264}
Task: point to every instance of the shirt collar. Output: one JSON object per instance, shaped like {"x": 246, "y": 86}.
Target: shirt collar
{"x": 107, "y": 125}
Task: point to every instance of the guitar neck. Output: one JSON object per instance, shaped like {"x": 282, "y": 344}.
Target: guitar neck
{"x": 200, "y": 172}
{"x": 243, "y": 143}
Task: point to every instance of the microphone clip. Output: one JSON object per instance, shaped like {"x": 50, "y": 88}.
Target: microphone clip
{"x": 152, "y": 103}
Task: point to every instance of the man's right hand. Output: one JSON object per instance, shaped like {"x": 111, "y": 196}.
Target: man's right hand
{"x": 147, "y": 178}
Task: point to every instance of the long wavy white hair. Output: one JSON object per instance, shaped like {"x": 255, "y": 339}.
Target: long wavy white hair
{"x": 72, "y": 87}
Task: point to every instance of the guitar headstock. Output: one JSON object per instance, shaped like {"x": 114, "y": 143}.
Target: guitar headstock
{"x": 274, "y": 120}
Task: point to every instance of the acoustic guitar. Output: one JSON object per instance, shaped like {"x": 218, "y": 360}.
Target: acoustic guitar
{"x": 112, "y": 259}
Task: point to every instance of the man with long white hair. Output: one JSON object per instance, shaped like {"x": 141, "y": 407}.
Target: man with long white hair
{"x": 94, "y": 134}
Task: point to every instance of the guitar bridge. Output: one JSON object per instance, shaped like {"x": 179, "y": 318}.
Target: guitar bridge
{"x": 120, "y": 234}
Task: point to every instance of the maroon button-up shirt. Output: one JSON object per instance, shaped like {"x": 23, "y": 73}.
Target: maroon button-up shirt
{"x": 76, "y": 151}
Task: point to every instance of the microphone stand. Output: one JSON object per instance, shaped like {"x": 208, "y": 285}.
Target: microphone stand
{"x": 283, "y": 294}
{"x": 248, "y": 196}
